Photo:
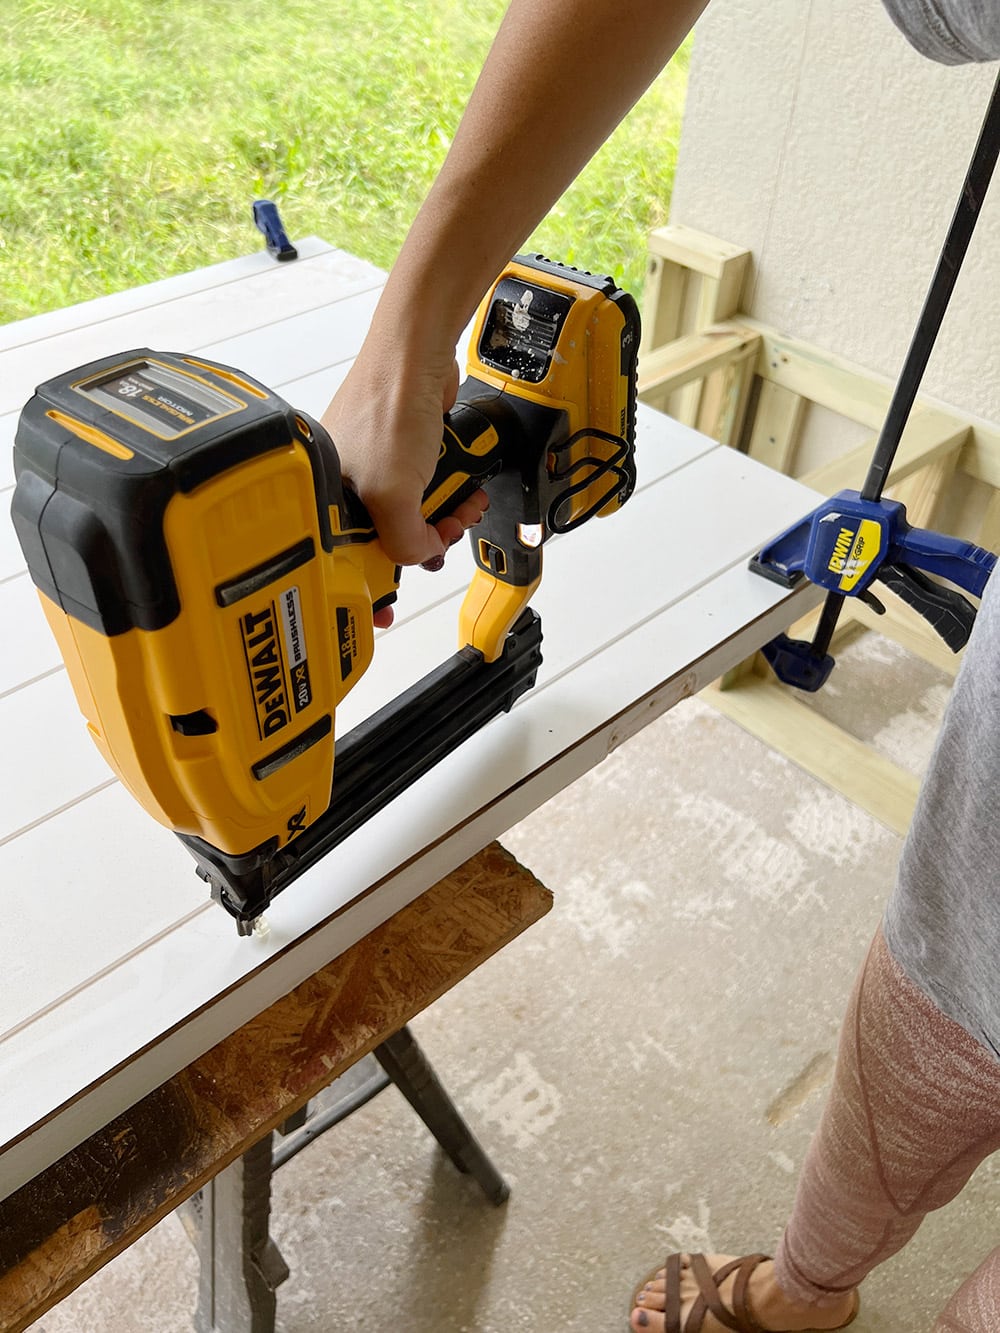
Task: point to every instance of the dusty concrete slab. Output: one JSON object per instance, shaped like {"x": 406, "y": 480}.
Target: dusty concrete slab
{"x": 646, "y": 1064}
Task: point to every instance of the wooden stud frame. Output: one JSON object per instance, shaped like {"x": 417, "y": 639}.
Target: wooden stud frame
{"x": 749, "y": 386}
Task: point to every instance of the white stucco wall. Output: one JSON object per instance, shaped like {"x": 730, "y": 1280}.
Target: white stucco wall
{"x": 817, "y": 138}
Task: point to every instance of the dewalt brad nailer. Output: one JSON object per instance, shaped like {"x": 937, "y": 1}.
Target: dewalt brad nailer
{"x": 210, "y": 581}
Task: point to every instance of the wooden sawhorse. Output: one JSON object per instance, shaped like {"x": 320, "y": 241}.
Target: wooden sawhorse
{"x": 208, "y": 1131}
{"x": 240, "y": 1267}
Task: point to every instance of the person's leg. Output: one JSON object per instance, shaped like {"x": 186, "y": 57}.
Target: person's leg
{"x": 914, "y": 1108}
{"x": 974, "y": 1307}
{"x": 916, "y": 1102}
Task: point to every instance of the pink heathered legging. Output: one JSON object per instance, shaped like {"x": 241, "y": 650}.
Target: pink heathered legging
{"x": 914, "y": 1109}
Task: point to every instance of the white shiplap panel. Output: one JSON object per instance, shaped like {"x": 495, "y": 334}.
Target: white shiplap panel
{"x": 145, "y": 974}
{"x": 47, "y": 759}
{"x": 299, "y": 343}
{"x": 547, "y": 742}
{"x": 29, "y": 648}
{"x": 192, "y": 321}
{"x": 96, "y": 884}
{"x": 86, "y": 314}
{"x": 11, "y": 559}
{"x": 8, "y": 424}
{"x": 148, "y": 994}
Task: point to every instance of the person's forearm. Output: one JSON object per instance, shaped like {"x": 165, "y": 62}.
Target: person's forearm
{"x": 560, "y": 76}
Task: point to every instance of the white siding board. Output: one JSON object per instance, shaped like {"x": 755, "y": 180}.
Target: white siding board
{"x": 29, "y": 650}
{"x": 95, "y": 884}
{"x": 117, "y": 971}
{"x": 85, "y": 314}
{"x": 398, "y": 853}
{"x": 554, "y": 717}
{"x": 192, "y": 321}
{"x": 298, "y": 343}
{"x": 11, "y": 560}
{"x": 47, "y": 759}
{"x": 8, "y": 424}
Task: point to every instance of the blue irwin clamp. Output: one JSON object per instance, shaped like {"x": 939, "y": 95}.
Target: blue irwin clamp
{"x": 844, "y": 546}
{"x": 268, "y": 221}
{"x": 857, "y": 537}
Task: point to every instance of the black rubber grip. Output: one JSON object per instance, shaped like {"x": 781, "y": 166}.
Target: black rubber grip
{"x": 944, "y": 609}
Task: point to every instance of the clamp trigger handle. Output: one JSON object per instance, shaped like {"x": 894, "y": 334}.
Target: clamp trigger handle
{"x": 944, "y": 609}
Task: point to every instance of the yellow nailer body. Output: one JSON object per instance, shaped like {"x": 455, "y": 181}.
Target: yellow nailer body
{"x": 210, "y": 581}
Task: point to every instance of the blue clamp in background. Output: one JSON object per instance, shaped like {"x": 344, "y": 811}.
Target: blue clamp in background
{"x": 847, "y": 543}
{"x": 857, "y": 537}
{"x": 268, "y": 221}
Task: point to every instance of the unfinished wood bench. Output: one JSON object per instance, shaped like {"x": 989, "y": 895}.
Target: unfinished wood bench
{"x": 119, "y": 974}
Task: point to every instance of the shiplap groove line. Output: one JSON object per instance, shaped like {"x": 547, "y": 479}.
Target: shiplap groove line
{"x": 121, "y": 298}
{"x": 59, "y": 810}
{"x": 82, "y": 987}
{"x": 42, "y": 675}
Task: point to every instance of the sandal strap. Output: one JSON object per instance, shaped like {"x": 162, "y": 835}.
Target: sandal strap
{"x": 672, "y": 1296}
{"x": 741, "y": 1302}
{"x": 709, "y": 1302}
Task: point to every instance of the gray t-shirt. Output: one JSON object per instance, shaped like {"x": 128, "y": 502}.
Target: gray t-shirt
{"x": 942, "y": 922}
{"x": 953, "y": 32}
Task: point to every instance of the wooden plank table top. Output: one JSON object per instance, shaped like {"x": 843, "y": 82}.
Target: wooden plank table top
{"x": 117, "y": 972}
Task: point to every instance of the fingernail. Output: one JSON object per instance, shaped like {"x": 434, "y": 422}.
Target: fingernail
{"x": 640, "y": 1298}
{"x": 643, "y": 1319}
{"x": 435, "y": 563}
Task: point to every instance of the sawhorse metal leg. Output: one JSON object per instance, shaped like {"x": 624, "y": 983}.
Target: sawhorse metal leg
{"x": 411, "y": 1071}
{"x": 240, "y": 1267}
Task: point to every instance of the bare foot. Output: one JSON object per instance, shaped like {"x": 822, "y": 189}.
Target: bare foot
{"x": 768, "y": 1304}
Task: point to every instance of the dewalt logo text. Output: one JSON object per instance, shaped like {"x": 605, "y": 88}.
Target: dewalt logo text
{"x": 266, "y": 669}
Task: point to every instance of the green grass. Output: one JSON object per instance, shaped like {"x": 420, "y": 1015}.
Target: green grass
{"x": 136, "y": 134}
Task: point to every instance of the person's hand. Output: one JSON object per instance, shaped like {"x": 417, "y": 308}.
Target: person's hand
{"x": 386, "y": 423}
{"x": 499, "y": 179}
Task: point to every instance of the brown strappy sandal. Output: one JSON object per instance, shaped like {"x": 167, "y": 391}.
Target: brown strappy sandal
{"x": 738, "y": 1318}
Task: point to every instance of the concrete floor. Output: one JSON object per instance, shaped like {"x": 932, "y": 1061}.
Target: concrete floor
{"x": 646, "y": 1065}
